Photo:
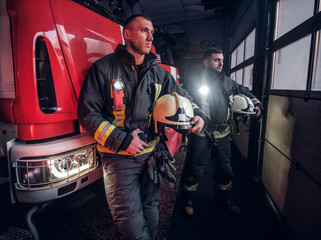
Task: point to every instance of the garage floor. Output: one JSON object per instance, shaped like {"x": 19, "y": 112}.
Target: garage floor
{"x": 258, "y": 219}
{"x": 85, "y": 214}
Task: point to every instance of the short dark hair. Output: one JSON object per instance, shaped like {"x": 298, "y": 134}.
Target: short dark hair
{"x": 133, "y": 17}
{"x": 210, "y": 51}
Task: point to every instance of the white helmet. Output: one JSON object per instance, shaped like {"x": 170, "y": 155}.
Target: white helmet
{"x": 242, "y": 105}
{"x": 173, "y": 110}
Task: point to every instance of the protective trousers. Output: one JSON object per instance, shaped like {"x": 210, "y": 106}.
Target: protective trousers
{"x": 200, "y": 148}
{"x": 132, "y": 198}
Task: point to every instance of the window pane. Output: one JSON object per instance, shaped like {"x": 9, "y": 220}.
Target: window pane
{"x": 238, "y": 76}
{"x": 240, "y": 53}
{"x": 248, "y": 76}
{"x": 233, "y": 59}
{"x": 232, "y": 75}
{"x": 291, "y": 65}
{"x": 291, "y": 13}
{"x": 249, "y": 45}
{"x": 316, "y": 83}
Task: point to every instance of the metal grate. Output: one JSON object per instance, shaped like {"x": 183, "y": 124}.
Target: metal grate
{"x": 42, "y": 173}
{"x": 16, "y": 233}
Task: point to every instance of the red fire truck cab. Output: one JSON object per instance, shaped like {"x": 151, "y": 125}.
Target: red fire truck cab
{"x": 47, "y": 46}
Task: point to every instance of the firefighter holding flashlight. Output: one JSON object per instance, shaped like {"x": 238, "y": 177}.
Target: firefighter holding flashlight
{"x": 214, "y": 92}
{"x": 116, "y": 103}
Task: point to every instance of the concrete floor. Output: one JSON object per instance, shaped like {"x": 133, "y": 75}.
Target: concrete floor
{"x": 258, "y": 220}
{"x": 85, "y": 214}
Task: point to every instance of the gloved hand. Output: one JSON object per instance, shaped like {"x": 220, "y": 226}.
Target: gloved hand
{"x": 164, "y": 163}
{"x": 153, "y": 173}
{"x": 160, "y": 165}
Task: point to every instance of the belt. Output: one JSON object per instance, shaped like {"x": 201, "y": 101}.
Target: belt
{"x": 218, "y": 127}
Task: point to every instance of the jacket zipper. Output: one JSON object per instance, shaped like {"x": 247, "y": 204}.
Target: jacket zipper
{"x": 144, "y": 71}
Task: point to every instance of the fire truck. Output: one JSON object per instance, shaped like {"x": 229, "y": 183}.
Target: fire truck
{"x": 47, "y": 46}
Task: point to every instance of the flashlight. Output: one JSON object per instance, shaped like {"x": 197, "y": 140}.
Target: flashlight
{"x": 203, "y": 91}
{"x": 118, "y": 86}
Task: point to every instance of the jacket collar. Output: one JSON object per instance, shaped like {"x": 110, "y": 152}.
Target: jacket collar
{"x": 214, "y": 73}
{"x": 128, "y": 59}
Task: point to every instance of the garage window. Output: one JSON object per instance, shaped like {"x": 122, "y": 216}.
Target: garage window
{"x": 286, "y": 20}
{"x": 241, "y": 63}
{"x": 291, "y": 65}
{"x": 249, "y": 45}
{"x": 296, "y": 61}
{"x": 316, "y": 83}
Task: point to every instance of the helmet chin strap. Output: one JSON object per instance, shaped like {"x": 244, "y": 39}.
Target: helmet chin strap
{"x": 236, "y": 120}
{"x": 162, "y": 140}
{"x": 163, "y": 135}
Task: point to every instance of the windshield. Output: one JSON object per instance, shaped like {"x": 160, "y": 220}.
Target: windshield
{"x": 114, "y": 10}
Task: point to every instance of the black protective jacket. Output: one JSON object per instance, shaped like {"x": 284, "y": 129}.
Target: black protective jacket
{"x": 221, "y": 89}
{"x": 112, "y": 129}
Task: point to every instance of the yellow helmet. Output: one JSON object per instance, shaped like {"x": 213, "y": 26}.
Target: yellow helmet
{"x": 174, "y": 111}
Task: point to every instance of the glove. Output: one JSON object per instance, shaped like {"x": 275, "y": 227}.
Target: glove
{"x": 164, "y": 163}
{"x": 153, "y": 173}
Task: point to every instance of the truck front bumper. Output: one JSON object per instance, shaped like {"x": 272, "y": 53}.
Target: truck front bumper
{"x": 43, "y": 172}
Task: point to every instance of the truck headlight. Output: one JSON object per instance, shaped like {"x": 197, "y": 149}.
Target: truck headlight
{"x": 37, "y": 172}
{"x": 71, "y": 165}
{"x": 33, "y": 176}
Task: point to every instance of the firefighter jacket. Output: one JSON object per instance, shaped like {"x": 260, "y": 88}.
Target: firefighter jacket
{"x": 216, "y": 104}
{"x": 96, "y": 113}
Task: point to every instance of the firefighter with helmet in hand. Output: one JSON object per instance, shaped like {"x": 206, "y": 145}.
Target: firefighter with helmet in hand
{"x": 215, "y": 93}
{"x": 115, "y": 107}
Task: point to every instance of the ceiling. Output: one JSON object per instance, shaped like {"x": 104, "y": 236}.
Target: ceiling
{"x": 175, "y": 21}
{"x": 168, "y": 16}
{"x": 166, "y": 12}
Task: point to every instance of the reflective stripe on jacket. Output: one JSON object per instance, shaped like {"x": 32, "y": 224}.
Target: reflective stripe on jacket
{"x": 95, "y": 110}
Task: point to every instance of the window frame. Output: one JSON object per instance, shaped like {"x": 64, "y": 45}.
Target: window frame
{"x": 311, "y": 26}
{"x": 244, "y": 63}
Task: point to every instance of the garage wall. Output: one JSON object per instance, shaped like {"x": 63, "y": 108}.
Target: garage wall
{"x": 206, "y": 33}
{"x": 292, "y": 162}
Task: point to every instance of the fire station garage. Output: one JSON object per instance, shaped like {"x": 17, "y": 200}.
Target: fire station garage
{"x": 251, "y": 67}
